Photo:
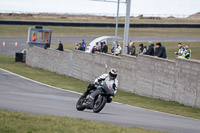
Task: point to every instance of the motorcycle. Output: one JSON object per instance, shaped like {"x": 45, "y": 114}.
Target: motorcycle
{"x": 102, "y": 95}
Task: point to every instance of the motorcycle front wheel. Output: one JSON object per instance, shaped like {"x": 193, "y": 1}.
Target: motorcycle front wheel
{"x": 79, "y": 104}
{"x": 99, "y": 103}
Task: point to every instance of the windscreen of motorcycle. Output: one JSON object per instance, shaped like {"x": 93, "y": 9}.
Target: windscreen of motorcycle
{"x": 108, "y": 87}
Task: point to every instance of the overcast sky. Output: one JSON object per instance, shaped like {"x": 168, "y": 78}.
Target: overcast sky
{"x": 88, "y": 6}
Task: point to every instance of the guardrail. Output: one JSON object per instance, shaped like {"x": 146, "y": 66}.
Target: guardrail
{"x": 84, "y": 24}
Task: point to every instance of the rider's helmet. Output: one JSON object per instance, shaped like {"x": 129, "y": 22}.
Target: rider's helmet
{"x": 113, "y": 74}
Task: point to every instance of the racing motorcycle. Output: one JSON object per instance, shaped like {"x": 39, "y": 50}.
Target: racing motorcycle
{"x": 103, "y": 93}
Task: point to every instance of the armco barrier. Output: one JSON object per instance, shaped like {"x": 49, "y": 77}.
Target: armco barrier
{"x": 177, "y": 80}
{"x": 77, "y": 24}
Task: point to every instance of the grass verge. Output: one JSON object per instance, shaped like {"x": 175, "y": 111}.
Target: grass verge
{"x": 13, "y": 122}
{"x": 61, "y": 81}
{"x": 21, "y": 30}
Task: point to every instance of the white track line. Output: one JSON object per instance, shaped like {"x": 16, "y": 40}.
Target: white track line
{"x": 39, "y": 82}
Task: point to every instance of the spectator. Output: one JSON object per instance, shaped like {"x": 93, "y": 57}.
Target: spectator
{"x": 160, "y": 51}
{"x": 143, "y": 49}
{"x": 180, "y": 52}
{"x": 128, "y": 47}
{"x": 83, "y": 45}
{"x": 98, "y": 47}
{"x": 95, "y": 48}
{"x": 80, "y": 47}
{"x": 77, "y": 45}
{"x": 132, "y": 48}
{"x": 116, "y": 50}
{"x": 105, "y": 48}
{"x": 60, "y": 46}
{"x": 101, "y": 47}
{"x": 35, "y": 37}
{"x": 47, "y": 45}
{"x": 187, "y": 52}
{"x": 150, "y": 50}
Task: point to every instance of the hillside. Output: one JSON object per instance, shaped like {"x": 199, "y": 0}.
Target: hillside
{"x": 195, "y": 16}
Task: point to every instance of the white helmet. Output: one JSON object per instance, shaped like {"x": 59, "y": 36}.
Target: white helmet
{"x": 113, "y": 74}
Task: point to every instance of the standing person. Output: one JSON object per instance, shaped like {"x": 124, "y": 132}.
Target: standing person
{"x": 160, "y": 51}
{"x": 47, "y": 45}
{"x": 181, "y": 50}
{"x": 105, "y": 48}
{"x": 188, "y": 52}
{"x": 83, "y": 45}
{"x": 143, "y": 49}
{"x": 60, "y": 46}
{"x": 34, "y": 38}
{"x": 101, "y": 47}
{"x": 77, "y": 45}
{"x": 95, "y": 48}
{"x": 128, "y": 47}
{"x": 116, "y": 48}
{"x": 132, "y": 48}
{"x": 150, "y": 50}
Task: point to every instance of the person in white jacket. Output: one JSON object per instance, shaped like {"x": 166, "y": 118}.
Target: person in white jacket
{"x": 110, "y": 77}
{"x": 116, "y": 49}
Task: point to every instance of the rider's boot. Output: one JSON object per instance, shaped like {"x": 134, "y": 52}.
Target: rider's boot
{"x": 89, "y": 88}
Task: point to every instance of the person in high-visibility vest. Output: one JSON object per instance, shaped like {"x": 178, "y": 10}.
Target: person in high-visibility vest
{"x": 181, "y": 50}
{"x": 187, "y": 52}
{"x": 34, "y": 38}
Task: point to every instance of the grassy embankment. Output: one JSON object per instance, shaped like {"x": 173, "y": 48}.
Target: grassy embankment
{"x": 19, "y": 30}
{"x": 61, "y": 81}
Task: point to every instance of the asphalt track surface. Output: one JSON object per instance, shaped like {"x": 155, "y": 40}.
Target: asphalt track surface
{"x": 11, "y": 49}
{"x": 21, "y": 94}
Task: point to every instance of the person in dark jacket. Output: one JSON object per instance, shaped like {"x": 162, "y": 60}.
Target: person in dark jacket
{"x": 160, "y": 51}
{"x": 95, "y": 48}
{"x": 101, "y": 47}
{"x": 150, "y": 50}
{"x": 60, "y": 46}
{"x": 47, "y": 45}
{"x": 142, "y": 49}
{"x": 105, "y": 48}
{"x": 80, "y": 47}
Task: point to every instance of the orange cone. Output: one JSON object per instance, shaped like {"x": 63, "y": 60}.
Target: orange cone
{"x": 15, "y": 44}
{"x": 4, "y": 43}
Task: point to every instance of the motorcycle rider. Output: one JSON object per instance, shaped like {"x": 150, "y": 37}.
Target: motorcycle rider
{"x": 111, "y": 77}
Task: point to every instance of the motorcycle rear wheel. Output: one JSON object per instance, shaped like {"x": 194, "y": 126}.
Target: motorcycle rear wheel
{"x": 99, "y": 103}
{"x": 79, "y": 104}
